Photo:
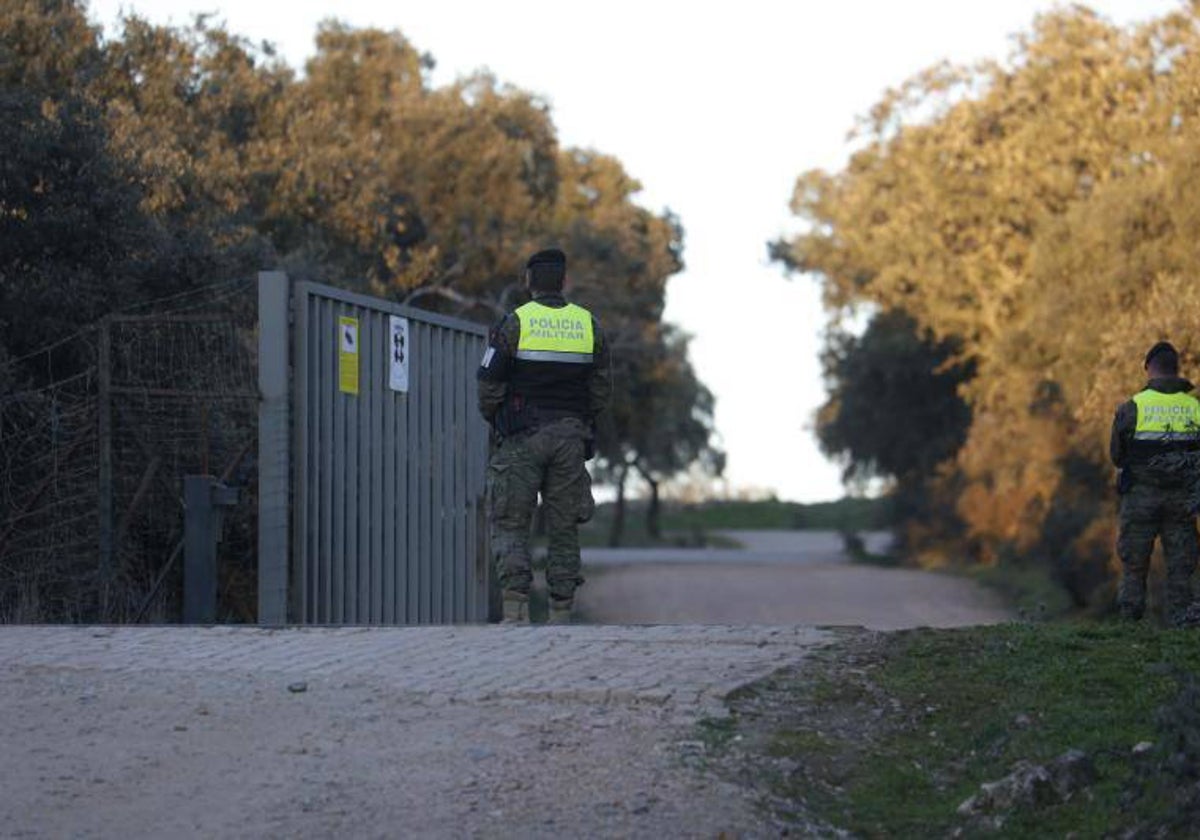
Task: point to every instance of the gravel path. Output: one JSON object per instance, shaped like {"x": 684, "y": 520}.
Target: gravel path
{"x": 780, "y": 578}
{"x": 430, "y": 732}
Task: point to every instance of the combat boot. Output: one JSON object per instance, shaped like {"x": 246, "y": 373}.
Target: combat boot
{"x": 561, "y": 612}
{"x": 516, "y": 608}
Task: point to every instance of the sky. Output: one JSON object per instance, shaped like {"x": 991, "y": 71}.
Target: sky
{"x": 715, "y": 108}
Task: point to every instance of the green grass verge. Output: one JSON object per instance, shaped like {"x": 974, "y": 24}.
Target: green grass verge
{"x": 694, "y": 525}
{"x": 885, "y": 735}
{"x": 1029, "y": 590}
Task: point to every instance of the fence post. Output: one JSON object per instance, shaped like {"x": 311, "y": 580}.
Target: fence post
{"x": 273, "y": 447}
{"x": 203, "y": 498}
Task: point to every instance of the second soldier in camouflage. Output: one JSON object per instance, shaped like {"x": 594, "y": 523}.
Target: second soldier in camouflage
{"x": 1155, "y": 442}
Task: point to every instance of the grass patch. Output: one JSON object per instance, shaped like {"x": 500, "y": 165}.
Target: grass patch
{"x": 1029, "y": 590}
{"x": 884, "y": 735}
{"x": 849, "y": 514}
{"x": 695, "y": 525}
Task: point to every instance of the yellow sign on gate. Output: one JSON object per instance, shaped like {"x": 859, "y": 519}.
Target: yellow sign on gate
{"x": 348, "y": 355}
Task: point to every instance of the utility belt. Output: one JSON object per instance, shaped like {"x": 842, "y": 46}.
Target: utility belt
{"x": 1145, "y": 475}
{"x": 518, "y": 417}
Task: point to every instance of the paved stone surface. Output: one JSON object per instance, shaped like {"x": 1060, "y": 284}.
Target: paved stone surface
{"x": 373, "y": 732}
{"x": 689, "y": 666}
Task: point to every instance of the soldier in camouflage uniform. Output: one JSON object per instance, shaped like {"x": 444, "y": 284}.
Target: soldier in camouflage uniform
{"x": 543, "y": 380}
{"x": 1155, "y": 439}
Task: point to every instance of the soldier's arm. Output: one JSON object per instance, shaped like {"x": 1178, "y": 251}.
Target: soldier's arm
{"x": 495, "y": 368}
{"x": 1123, "y": 426}
{"x": 600, "y": 384}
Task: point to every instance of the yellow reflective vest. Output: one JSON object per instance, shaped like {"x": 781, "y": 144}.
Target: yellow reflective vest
{"x": 1167, "y": 418}
{"x": 563, "y": 335}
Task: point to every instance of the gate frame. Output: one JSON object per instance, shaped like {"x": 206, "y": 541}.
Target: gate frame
{"x": 282, "y": 338}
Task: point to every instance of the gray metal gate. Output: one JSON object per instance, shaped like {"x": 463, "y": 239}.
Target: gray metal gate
{"x": 387, "y": 485}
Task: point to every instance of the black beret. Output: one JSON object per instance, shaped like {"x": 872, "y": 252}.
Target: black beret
{"x": 551, "y": 256}
{"x": 1159, "y": 349}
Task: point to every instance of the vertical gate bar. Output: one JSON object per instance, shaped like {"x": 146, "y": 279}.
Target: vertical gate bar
{"x": 479, "y": 457}
{"x": 304, "y": 469}
{"x": 433, "y": 480}
{"x": 466, "y": 493}
{"x": 323, "y": 388}
{"x": 356, "y": 508}
{"x": 380, "y": 391}
{"x": 388, "y": 485}
{"x": 450, "y": 525}
{"x": 424, "y": 456}
{"x": 418, "y": 492}
{"x": 459, "y": 392}
{"x": 337, "y": 611}
{"x": 446, "y": 475}
{"x": 470, "y": 548}
{"x": 474, "y": 479}
{"x": 437, "y": 451}
{"x": 408, "y": 503}
{"x": 273, "y": 448}
{"x": 367, "y": 467}
{"x": 407, "y": 575}
{"x": 362, "y": 596}
{"x": 353, "y": 403}
{"x": 457, "y": 450}
{"x": 312, "y": 493}
{"x": 450, "y": 389}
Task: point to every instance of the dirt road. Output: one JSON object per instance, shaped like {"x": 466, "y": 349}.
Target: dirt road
{"x": 778, "y": 577}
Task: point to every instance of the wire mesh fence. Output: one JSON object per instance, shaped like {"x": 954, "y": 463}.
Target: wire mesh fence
{"x": 91, "y": 465}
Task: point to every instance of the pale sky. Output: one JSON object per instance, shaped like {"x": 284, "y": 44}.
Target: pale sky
{"x": 715, "y": 108}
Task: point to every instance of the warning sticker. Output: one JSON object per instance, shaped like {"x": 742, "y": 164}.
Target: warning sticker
{"x": 348, "y": 355}
{"x": 398, "y": 352}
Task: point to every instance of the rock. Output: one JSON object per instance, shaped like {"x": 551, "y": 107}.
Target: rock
{"x": 1191, "y": 618}
{"x": 1027, "y": 784}
{"x": 1072, "y": 772}
{"x": 1022, "y": 721}
{"x": 1142, "y": 748}
{"x": 1032, "y": 785}
{"x": 298, "y": 687}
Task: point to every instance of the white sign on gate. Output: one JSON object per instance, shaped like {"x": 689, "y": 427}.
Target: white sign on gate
{"x": 398, "y": 349}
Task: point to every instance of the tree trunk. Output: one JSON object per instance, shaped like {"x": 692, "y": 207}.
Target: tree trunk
{"x": 618, "y": 524}
{"x": 653, "y": 524}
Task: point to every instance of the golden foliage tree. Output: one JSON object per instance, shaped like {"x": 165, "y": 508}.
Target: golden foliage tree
{"x": 1039, "y": 212}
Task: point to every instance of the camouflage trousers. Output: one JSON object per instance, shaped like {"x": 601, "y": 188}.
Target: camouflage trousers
{"x": 548, "y": 461}
{"x": 1148, "y": 512}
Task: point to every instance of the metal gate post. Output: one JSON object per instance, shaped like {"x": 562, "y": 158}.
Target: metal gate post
{"x": 273, "y": 447}
{"x": 203, "y": 498}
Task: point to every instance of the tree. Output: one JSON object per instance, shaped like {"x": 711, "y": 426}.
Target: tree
{"x": 69, "y": 221}
{"x": 893, "y": 410}
{"x": 1032, "y": 212}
